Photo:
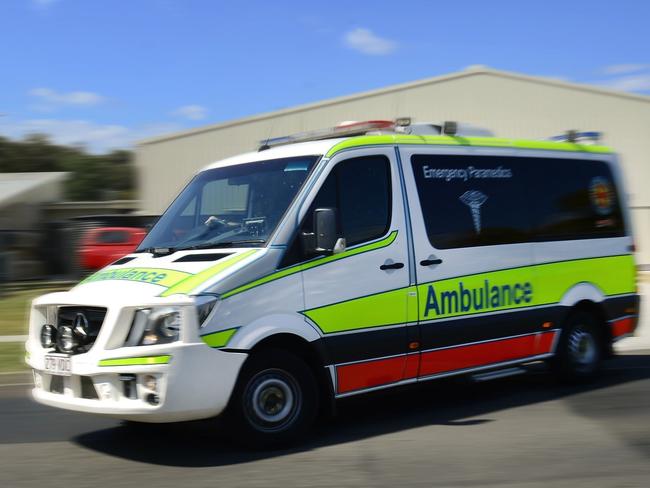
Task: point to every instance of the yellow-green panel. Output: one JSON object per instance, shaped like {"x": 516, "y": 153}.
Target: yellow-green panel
{"x": 392, "y": 307}
{"x": 463, "y": 141}
{"x": 542, "y": 284}
{"x": 613, "y": 275}
{"x": 139, "y": 361}
{"x": 191, "y": 283}
{"x": 154, "y": 276}
{"x": 219, "y": 339}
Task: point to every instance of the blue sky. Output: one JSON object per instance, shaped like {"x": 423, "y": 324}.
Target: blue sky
{"x": 107, "y": 72}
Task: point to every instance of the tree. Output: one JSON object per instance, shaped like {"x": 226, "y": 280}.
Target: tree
{"x": 92, "y": 177}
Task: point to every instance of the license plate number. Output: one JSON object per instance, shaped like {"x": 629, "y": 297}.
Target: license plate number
{"x": 58, "y": 365}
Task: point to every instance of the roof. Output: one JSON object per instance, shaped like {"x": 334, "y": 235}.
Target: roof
{"x": 470, "y": 71}
{"x": 312, "y": 148}
{"x": 14, "y": 186}
{"x": 330, "y": 147}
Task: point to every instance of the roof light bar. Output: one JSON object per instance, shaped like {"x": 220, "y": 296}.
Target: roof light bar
{"x": 345, "y": 129}
{"x": 575, "y": 136}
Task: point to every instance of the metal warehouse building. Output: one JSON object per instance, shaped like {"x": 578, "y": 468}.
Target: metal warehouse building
{"x": 510, "y": 104}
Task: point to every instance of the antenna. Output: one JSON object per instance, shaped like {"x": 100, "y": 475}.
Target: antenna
{"x": 265, "y": 146}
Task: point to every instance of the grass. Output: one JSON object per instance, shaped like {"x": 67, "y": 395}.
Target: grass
{"x": 14, "y": 310}
{"x": 12, "y": 356}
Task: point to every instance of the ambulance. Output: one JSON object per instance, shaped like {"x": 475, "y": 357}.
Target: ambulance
{"x": 343, "y": 261}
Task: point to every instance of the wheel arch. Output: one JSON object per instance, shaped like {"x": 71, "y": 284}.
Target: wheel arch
{"x": 587, "y": 297}
{"x": 312, "y": 353}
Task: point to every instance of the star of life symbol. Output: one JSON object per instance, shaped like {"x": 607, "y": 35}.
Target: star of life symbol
{"x": 474, "y": 199}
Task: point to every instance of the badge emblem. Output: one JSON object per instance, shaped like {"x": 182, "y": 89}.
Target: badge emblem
{"x": 474, "y": 199}
{"x": 80, "y": 325}
{"x": 601, "y": 195}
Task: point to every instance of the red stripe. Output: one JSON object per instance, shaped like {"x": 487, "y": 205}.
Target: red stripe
{"x": 623, "y": 326}
{"x": 475, "y": 355}
{"x": 412, "y": 366}
{"x": 379, "y": 372}
{"x": 370, "y": 373}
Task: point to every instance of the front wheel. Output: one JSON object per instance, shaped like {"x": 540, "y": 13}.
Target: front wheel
{"x": 275, "y": 401}
{"x": 580, "y": 351}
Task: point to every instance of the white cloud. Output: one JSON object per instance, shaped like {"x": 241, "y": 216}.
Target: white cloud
{"x": 97, "y": 138}
{"x": 191, "y": 112}
{"x": 639, "y": 82}
{"x": 52, "y": 98}
{"x": 366, "y": 42}
{"x": 621, "y": 69}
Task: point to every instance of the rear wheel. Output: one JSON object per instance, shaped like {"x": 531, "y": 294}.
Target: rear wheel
{"x": 275, "y": 401}
{"x": 580, "y": 351}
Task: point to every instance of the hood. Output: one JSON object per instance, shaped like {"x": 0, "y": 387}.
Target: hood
{"x": 184, "y": 272}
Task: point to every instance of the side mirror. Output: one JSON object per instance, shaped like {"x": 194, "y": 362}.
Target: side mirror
{"x": 325, "y": 229}
{"x": 324, "y": 239}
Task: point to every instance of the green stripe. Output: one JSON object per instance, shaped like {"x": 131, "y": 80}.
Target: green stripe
{"x": 389, "y": 308}
{"x": 138, "y": 361}
{"x": 193, "y": 282}
{"x": 463, "y": 141}
{"x": 613, "y": 275}
{"x": 219, "y": 339}
{"x": 154, "y": 276}
{"x": 387, "y": 241}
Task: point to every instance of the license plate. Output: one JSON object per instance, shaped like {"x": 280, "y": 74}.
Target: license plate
{"x": 58, "y": 364}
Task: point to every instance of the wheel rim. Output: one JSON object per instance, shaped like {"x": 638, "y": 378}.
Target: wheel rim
{"x": 583, "y": 349}
{"x": 272, "y": 400}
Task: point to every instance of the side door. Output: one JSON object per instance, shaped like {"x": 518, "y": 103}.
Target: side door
{"x": 473, "y": 258}
{"x": 360, "y": 298}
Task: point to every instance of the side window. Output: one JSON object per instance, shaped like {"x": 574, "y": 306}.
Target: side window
{"x": 360, "y": 190}
{"x": 472, "y": 200}
{"x": 363, "y": 198}
{"x": 575, "y": 199}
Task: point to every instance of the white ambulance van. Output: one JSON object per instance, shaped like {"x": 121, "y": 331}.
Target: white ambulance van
{"x": 339, "y": 262}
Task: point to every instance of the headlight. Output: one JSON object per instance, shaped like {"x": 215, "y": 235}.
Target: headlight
{"x": 155, "y": 326}
{"x": 48, "y": 336}
{"x": 65, "y": 339}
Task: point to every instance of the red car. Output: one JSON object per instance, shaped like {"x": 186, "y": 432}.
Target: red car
{"x": 104, "y": 245}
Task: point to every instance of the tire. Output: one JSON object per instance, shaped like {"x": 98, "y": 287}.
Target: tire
{"x": 275, "y": 401}
{"x": 580, "y": 350}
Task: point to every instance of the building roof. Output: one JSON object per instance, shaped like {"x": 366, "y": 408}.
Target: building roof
{"x": 14, "y": 187}
{"x": 470, "y": 71}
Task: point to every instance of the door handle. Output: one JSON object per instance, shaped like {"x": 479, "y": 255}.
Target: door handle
{"x": 391, "y": 266}
{"x": 430, "y": 262}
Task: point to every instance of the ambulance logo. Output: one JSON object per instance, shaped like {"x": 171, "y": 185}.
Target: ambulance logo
{"x": 601, "y": 195}
{"x": 474, "y": 199}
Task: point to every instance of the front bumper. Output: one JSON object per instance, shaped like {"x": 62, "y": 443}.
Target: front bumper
{"x": 195, "y": 382}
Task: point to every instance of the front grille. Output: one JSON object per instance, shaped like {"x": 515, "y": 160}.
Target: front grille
{"x": 86, "y": 323}
{"x": 56, "y": 384}
{"x": 88, "y": 388}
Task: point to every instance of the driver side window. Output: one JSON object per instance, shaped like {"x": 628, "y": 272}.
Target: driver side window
{"x": 360, "y": 190}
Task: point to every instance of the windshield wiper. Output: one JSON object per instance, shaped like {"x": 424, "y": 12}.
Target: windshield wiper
{"x": 215, "y": 245}
{"x": 158, "y": 251}
{"x": 166, "y": 251}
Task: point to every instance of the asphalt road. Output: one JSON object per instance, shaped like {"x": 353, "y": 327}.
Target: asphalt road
{"x": 515, "y": 432}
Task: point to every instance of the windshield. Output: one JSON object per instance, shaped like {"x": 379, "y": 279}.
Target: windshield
{"x": 230, "y": 206}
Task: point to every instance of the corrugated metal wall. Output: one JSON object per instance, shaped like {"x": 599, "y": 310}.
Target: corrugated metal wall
{"x": 510, "y": 105}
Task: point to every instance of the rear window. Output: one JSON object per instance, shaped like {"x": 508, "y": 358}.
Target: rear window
{"x": 487, "y": 200}
{"x": 574, "y": 199}
{"x": 113, "y": 237}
